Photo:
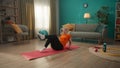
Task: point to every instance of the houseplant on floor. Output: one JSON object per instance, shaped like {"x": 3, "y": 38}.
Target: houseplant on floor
{"x": 103, "y": 14}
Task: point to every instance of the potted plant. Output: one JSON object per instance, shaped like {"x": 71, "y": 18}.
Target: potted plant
{"x": 102, "y": 14}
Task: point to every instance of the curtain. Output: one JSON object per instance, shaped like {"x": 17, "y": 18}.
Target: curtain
{"x": 26, "y": 16}
{"x": 53, "y": 22}
{"x": 45, "y": 15}
{"x": 37, "y": 15}
{"x": 42, "y": 15}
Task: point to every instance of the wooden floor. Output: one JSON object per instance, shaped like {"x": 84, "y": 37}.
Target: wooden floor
{"x": 80, "y": 58}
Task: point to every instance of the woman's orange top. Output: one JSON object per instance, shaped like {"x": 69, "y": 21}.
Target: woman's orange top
{"x": 64, "y": 38}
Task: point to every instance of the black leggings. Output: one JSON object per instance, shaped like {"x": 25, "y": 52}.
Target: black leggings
{"x": 55, "y": 43}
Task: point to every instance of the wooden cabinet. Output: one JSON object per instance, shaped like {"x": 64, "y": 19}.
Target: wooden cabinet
{"x": 8, "y": 8}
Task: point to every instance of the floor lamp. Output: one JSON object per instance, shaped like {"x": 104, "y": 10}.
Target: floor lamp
{"x": 86, "y": 16}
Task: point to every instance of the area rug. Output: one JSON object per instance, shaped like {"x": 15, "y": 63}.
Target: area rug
{"x": 49, "y": 51}
{"x": 112, "y": 53}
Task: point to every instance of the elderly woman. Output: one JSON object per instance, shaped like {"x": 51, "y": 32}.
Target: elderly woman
{"x": 57, "y": 43}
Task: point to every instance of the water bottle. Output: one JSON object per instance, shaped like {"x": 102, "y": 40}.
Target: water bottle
{"x": 104, "y": 47}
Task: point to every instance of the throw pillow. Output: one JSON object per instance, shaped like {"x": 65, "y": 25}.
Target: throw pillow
{"x": 100, "y": 27}
{"x": 16, "y": 28}
{"x": 24, "y": 28}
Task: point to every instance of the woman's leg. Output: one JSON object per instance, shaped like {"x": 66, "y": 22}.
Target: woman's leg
{"x": 55, "y": 43}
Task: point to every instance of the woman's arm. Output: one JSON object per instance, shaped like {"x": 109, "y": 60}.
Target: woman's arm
{"x": 70, "y": 42}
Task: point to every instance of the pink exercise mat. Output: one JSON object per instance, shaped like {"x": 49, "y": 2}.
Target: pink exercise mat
{"x": 49, "y": 51}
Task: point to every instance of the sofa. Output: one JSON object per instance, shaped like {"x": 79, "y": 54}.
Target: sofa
{"x": 10, "y": 33}
{"x": 90, "y": 31}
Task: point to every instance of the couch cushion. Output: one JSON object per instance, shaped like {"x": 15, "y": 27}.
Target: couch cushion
{"x": 85, "y": 34}
{"x": 100, "y": 27}
{"x": 86, "y": 27}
